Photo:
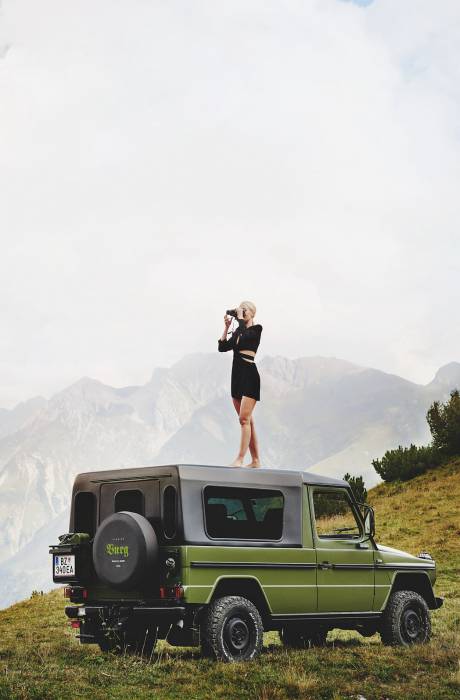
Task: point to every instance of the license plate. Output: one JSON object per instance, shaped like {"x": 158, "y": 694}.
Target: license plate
{"x": 64, "y": 565}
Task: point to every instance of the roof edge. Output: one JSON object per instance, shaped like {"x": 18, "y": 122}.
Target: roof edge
{"x": 303, "y": 476}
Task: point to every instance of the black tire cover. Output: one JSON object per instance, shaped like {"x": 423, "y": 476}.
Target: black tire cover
{"x": 125, "y": 551}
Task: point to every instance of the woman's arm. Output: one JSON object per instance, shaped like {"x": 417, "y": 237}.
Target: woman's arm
{"x": 223, "y": 344}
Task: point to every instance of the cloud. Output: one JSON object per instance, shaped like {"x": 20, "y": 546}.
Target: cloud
{"x": 162, "y": 162}
{"x": 360, "y": 3}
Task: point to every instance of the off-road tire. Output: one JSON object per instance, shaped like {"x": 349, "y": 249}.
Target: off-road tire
{"x": 303, "y": 636}
{"x": 231, "y": 630}
{"x": 406, "y": 619}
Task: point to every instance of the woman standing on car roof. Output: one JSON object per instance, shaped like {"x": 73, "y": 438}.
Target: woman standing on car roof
{"x": 245, "y": 380}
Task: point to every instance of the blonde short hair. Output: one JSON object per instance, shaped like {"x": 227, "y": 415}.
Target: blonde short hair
{"x": 250, "y": 306}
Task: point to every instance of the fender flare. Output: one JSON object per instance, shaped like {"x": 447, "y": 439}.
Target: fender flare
{"x": 234, "y": 585}
{"x": 417, "y": 581}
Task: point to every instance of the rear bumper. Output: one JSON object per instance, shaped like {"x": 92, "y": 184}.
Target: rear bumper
{"x": 100, "y": 612}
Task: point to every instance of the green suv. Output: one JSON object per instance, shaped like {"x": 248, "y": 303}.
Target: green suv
{"x": 214, "y": 556}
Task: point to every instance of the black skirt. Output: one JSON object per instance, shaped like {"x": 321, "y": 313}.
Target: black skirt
{"x": 245, "y": 378}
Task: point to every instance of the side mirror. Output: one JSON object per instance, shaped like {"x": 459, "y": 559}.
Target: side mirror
{"x": 369, "y": 521}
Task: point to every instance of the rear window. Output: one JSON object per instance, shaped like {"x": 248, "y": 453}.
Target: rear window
{"x": 169, "y": 511}
{"x": 243, "y": 514}
{"x": 132, "y": 500}
{"x": 85, "y": 513}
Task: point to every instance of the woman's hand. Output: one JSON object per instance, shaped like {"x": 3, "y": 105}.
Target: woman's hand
{"x": 227, "y": 321}
{"x": 239, "y": 313}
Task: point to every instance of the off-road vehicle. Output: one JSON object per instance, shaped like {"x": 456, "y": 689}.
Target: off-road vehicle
{"x": 214, "y": 556}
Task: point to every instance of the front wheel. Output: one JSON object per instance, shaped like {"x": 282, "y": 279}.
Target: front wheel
{"x": 406, "y": 619}
{"x": 232, "y": 630}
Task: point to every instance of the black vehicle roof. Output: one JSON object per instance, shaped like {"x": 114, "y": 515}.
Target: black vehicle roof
{"x": 214, "y": 472}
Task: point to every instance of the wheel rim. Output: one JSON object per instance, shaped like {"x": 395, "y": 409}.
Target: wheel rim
{"x": 237, "y": 635}
{"x": 411, "y": 625}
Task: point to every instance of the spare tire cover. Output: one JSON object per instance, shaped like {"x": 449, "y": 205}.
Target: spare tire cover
{"x": 125, "y": 551}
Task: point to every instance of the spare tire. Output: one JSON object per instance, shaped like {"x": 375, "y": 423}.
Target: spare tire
{"x": 125, "y": 551}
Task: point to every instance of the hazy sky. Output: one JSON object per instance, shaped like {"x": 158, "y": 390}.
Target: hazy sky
{"x": 161, "y": 161}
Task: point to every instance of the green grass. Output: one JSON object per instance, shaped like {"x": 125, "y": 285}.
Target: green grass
{"x": 40, "y": 657}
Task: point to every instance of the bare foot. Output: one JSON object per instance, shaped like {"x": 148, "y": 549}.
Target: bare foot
{"x": 236, "y": 463}
{"x": 254, "y": 463}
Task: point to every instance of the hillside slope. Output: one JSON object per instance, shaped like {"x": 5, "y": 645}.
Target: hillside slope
{"x": 40, "y": 658}
{"x": 422, "y": 514}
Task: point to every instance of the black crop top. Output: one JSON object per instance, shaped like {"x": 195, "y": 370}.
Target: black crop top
{"x": 242, "y": 339}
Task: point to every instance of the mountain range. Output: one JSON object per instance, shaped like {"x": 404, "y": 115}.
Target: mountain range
{"x": 317, "y": 413}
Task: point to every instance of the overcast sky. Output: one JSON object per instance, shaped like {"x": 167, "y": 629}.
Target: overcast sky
{"x": 161, "y": 161}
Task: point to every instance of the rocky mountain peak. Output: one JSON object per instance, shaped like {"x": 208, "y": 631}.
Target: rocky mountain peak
{"x": 448, "y": 376}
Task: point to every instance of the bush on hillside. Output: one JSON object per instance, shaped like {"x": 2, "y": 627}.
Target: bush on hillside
{"x": 444, "y": 422}
{"x": 406, "y": 462}
{"x": 357, "y": 486}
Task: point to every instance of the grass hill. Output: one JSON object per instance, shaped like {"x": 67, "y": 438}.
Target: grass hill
{"x": 40, "y": 658}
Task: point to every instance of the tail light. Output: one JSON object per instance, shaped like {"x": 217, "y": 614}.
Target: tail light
{"x": 75, "y": 624}
{"x": 176, "y": 592}
{"x": 76, "y": 594}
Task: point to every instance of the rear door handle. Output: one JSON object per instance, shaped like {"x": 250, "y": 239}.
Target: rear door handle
{"x": 325, "y": 565}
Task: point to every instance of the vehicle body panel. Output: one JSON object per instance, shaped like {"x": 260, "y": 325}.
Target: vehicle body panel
{"x": 287, "y": 576}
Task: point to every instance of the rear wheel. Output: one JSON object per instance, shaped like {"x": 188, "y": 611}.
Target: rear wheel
{"x": 303, "y": 636}
{"x": 232, "y": 630}
{"x": 406, "y": 619}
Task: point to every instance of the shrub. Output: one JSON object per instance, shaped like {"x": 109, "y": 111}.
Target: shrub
{"x": 406, "y": 462}
{"x": 36, "y": 594}
{"x": 444, "y": 422}
{"x": 357, "y": 486}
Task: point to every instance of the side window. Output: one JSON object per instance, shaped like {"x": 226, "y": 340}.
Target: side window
{"x": 85, "y": 513}
{"x": 131, "y": 500}
{"x": 334, "y": 515}
{"x": 248, "y": 514}
{"x": 169, "y": 511}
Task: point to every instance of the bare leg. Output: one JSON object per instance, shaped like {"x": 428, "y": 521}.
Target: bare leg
{"x": 246, "y": 408}
{"x": 253, "y": 447}
{"x": 237, "y": 404}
